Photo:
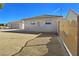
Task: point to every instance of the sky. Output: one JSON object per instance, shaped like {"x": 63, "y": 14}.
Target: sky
{"x": 18, "y": 11}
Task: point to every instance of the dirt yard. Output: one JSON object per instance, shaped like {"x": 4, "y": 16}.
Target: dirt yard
{"x": 30, "y": 44}
{"x": 11, "y": 43}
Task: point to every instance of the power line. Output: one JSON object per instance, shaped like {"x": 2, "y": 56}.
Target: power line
{"x": 58, "y": 9}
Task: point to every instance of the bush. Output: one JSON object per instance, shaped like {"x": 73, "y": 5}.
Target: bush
{"x": 2, "y": 25}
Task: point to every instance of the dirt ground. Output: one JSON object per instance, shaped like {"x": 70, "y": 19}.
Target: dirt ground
{"x": 11, "y": 43}
{"x": 30, "y": 44}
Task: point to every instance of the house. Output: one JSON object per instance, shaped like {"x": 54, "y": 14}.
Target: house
{"x": 15, "y": 25}
{"x": 44, "y": 23}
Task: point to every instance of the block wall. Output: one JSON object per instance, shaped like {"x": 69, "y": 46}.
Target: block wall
{"x": 68, "y": 32}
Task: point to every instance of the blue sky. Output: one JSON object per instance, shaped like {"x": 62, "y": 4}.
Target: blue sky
{"x": 18, "y": 11}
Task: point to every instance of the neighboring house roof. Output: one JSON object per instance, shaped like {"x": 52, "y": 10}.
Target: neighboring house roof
{"x": 73, "y": 11}
{"x": 70, "y": 12}
{"x": 16, "y": 22}
{"x": 71, "y": 15}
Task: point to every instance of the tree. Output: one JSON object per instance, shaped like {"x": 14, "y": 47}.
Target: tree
{"x": 1, "y": 24}
{"x": 1, "y": 5}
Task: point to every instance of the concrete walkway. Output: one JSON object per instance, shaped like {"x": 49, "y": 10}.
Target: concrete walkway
{"x": 47, "y": 44}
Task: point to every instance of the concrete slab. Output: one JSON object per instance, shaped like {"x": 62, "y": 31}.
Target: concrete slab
{"x": 34, "y": 51}
{"x": 43, "y": 45}
{"x": 39, "y": 41}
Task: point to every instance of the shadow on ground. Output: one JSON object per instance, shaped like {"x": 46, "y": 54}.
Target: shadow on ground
{"x": 22, "y": 32}
{"x": 26, "y": 32}
{"x": 54, "y": 47}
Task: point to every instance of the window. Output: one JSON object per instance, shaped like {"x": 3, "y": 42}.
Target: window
{"x": 32, "y": 23}
{"x": 48, "y": 23}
